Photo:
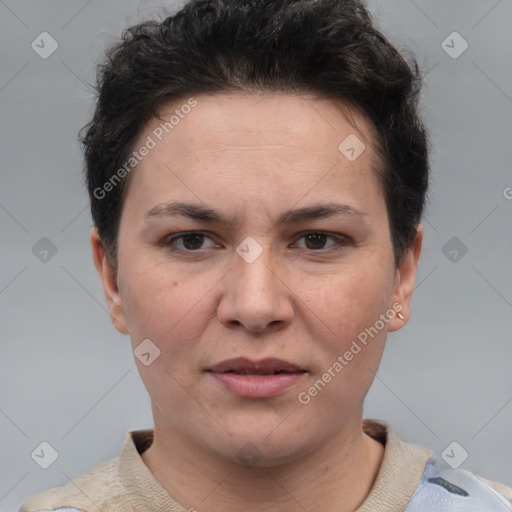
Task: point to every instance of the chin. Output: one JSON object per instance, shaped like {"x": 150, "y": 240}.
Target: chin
{"x": 265, "y": 448}
{"x": 254, "y": 453}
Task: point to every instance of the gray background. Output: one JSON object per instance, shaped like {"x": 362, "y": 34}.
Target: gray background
{"x": 68, "y": 378}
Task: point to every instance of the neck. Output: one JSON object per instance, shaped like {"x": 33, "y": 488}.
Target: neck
{"x": 336, "y": 478}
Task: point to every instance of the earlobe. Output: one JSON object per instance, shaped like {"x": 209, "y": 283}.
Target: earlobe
{"x": 405, "y": 281}
{"x": 108, "y": 276}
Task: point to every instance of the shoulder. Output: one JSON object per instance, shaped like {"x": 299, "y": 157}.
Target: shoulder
{"x": 91, "y": 490}
{"x": 444, "y": 489}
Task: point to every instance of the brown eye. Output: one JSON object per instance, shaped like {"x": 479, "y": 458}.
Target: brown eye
{"x": 316, "y": 241}
{"x": 193, "y": 241}
{"x": 185, "y": 242}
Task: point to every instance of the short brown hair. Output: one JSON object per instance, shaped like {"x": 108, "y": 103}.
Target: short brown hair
{"x": 327, "y": 47}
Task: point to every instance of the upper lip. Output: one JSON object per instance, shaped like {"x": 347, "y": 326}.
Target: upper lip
{"x": 264, "y": 366}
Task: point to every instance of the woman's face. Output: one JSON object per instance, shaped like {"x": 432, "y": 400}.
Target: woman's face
{"x": 259, "y": 278}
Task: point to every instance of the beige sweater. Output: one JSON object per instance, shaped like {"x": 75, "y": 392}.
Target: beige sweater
{"x": 126, "y": 484}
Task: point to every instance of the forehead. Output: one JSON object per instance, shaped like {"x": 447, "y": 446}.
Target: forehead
{"x": 266, "y": 119}
{"x": 257, "y": 142}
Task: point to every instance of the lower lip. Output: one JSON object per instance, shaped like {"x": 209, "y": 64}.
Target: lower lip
{"x": 258, "y": 386}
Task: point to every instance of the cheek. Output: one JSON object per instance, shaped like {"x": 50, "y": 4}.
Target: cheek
{"x": 342, "y": 326}
{"x": 168, "y": 311}
{"x": 148, "y": 302}
{"x": 346, "y": 303}
{"x": 342, "y": 312}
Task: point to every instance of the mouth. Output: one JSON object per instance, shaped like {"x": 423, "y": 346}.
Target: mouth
{"x": 244, "y": 366}
{"x": 258, "y": 372}
{"x": 256, "y": 379}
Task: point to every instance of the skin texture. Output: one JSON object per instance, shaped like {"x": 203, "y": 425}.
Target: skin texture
{"x": 252, "y": 157}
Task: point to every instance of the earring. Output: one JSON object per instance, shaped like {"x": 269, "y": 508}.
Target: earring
{"x": 400, "y": 315}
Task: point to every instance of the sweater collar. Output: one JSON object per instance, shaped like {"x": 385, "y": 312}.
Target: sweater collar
{"x": 400, "y": 472}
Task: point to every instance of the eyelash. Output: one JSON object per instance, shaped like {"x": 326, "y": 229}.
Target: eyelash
{"x": 341, "y": 242}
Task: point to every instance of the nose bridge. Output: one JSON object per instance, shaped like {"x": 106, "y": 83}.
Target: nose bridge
{"x": 252, "y": 269}
{"x": 256, "y": 296}
{"x": 253, "y": 261}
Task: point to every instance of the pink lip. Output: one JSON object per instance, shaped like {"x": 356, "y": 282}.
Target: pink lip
{"x": 257, "y": 386}
{"x": 255, "y": 379}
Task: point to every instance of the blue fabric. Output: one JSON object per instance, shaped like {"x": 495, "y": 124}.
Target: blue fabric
{"x": 443, "y": 489}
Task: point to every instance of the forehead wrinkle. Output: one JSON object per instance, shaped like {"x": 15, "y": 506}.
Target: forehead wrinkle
{"x": 291, "y": 216}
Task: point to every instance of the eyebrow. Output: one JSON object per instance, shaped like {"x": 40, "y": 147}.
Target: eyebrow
{"x": 203, "y": 213}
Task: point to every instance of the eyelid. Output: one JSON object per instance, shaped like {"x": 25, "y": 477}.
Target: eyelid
{"x": 341, "y": 241}
{"x": 167, "y": 240}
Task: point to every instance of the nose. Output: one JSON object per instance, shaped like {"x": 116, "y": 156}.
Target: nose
{"x": 257, "y": 295}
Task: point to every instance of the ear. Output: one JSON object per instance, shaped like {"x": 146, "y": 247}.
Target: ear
{"x": 405, "y": 280}
{"x": 108, "y": 276}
